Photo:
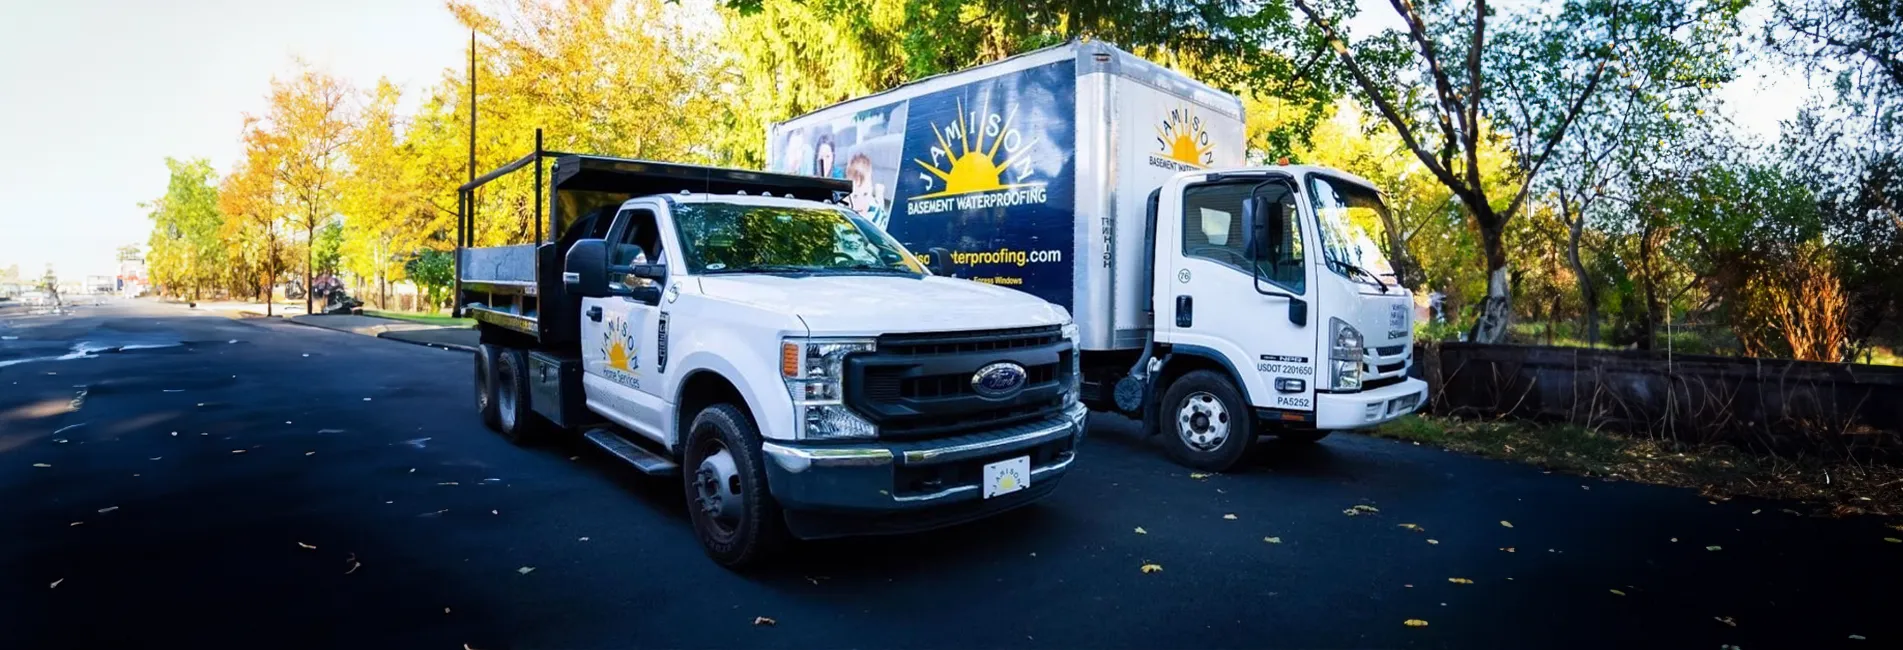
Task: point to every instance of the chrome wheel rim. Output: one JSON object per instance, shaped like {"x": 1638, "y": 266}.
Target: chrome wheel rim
{"x": 717, "y": 490}
{"x": 1202, "y": 422}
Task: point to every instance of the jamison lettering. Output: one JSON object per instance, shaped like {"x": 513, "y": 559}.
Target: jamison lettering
{"x": 1025, "y": 195}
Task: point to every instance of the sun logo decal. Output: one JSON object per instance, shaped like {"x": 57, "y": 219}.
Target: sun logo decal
{"x": 1182, "y": 142}
{"x": 967, "y": 160}
{"x": 617, "y": 344}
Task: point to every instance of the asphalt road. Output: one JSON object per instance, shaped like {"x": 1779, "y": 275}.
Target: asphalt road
{"x": 260, "y": 484}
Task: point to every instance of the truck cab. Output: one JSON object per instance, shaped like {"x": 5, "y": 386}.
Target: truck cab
{"x": 797, "y": 368}
{"x": 1274, "y": 313}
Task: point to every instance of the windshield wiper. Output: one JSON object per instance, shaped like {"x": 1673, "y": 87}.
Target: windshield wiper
{"x": 877, "y": 269}
{"x": 765, "y": 268}
{"x": 1365, "y": 272}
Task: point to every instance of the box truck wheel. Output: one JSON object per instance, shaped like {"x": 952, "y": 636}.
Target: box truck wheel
{"x": 516, "y": 422}
{"x": 734, "y": 514}
{"x": 1206, "y": 423}
{"x": 486, "y": 385}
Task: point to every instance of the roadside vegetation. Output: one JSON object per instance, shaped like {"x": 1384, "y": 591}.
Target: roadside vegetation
{"x": 1718, "y": 472}
{"x": 434, "y": 318}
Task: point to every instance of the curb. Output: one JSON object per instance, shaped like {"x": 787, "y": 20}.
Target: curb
{"x": 381, "y": 335}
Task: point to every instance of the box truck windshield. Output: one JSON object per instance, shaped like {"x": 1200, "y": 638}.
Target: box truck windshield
{"x": 1348, "y": 213}
{"x": 734, "y": 238}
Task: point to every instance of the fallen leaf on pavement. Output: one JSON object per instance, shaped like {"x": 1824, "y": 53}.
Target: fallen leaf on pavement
{"x": 574, "y": 458}
{"x": 366, "y": 399}
{"x": 308, "y": 453}
{"x": 1141, "y": 531}
{"x": 584, "y": 539}
{"x": 445, "y": 610}
{"x": 1433, "y": 541}
{"x": 76, "y": 523}
{"x": 1460, "y": 581}
{"x": 762, "y": 620}
{"x": 108, "y": 509}
{"x": 1756, "y": 511}
{"x": 494, "y": 512}
{"x": 525, "y": 570}
{"x": 354, "y": 564}
{"x": 1508, "y": 549}
{"x": 1714, "y": 548}
{"x": 1414, "y": 622}
{"x": 466, "y": 647}
{"x": 1893, "y": 540}
{"x": 1272, "y": 540}
{"x": 157, "y": 457}
{"x": 41, "y": 465}
{"x": 1508, "y": 524}
{"x": 1411, "y": 527}
{"x": 1616, "y": 592}
{"x": 1151, "y": 568}
{"x": 1674, "y": 540}
{"x": 1726, "y": 620}
{"x": 1230, "y": 517}
{"x": 447, "y": 483}
{"x": 1366, "y": 508}
{"x": 1198, "y": 475}
{"x": 55, "y": 584}
{"x": 237, "y": 451}
{"x": 306, "y": 547}
{"x": 1856, "y": 637}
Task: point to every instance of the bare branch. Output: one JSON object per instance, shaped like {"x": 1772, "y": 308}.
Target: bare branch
{"x": 1473, "y": 94}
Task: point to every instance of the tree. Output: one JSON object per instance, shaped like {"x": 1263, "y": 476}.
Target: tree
{"x": 310, "y": 119}
{"x": 130, "y": 252}
{"x": 187, "y": 252}
{"x": 434, "y": 271}
{"x": 1858, "y": 45}
{"x": 10, "y": 274}
{"x": 250, "y": 196}
{"x": 1531, "y": 81}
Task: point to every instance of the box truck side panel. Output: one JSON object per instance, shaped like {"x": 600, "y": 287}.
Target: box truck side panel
{"x": 1163, "y": 126}
{"x": 984, "y": 169}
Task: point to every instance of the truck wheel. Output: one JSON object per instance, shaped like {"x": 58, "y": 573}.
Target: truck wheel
{"x": 1206, "y": 423}
{"x": 734, "y": 514}
{"x": 1302, "y": 436}
{"x": 517, "y": 423}
{"x": 486, "y": 385}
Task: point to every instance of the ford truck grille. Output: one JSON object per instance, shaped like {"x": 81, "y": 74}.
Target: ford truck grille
{"x": 920, "y": 385}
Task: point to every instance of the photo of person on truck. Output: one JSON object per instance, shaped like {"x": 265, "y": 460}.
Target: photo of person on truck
{"x": 823, "y": 155}
{"x": 867, "y": 198}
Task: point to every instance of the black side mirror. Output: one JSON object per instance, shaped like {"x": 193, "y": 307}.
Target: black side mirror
{"x": 585, "y": 269}
{"x": 940, "y": 263}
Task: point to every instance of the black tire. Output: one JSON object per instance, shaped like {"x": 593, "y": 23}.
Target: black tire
{"x": 486, "y": 386}
{"x": 758, "y": 530}
{"x": 1226, "y": 426}
{"x": 515, "y": 420}
{"x": 1304, "y": 436}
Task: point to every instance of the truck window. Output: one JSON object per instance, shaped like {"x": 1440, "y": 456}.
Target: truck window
{"x": 1213, "y": 231}
{"x": 640, "y": 243}
{"x": 738, "y": 238}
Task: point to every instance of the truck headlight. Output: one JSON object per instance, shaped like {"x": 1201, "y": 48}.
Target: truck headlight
{"x": 1072, "y": 384}
{"x": 1344, "y": 355}
{"x": 814, "y": 371}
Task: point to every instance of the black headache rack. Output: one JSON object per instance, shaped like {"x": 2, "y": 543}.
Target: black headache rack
{"x": 520, "y": 287}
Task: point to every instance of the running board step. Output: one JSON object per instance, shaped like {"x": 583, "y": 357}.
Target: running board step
{"x": 648, "y": 462}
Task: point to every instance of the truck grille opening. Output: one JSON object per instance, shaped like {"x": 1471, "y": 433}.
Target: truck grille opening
{"x": 919, "y": 385}
{"x": 1391, "y": 350}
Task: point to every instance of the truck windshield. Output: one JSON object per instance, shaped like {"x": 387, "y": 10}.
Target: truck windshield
{"x": 739, "y": 238}
{"x": 1348, "y": 214}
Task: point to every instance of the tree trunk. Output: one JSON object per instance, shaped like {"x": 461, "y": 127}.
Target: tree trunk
{"x": 1588, "y": 295}
{"x": 310, "y": 252}
{"x": 1496, "y": 310}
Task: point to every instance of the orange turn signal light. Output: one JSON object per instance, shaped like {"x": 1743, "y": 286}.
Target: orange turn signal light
{"x": 790, "y": 359}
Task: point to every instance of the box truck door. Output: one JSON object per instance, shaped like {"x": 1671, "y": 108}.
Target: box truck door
{"x": 1238, "y": 287}
{"x": 621, "y": 372}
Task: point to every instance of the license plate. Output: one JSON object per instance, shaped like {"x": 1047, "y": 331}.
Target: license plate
{"x": 1007, "y": 476}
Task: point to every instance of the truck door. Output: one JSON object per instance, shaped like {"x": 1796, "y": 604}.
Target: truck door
{"x": 1212, "y": 301}
{"x": 622, "y": 373}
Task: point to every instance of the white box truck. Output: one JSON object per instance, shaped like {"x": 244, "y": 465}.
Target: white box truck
{"x": 795, "y": 367}
{"x": 1216, "y": 302}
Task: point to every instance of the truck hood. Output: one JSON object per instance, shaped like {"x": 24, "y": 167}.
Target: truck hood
{"x": 870, "y": 305}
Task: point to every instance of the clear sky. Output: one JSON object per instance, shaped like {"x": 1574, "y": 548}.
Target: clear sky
{"x": 94, "y": 94}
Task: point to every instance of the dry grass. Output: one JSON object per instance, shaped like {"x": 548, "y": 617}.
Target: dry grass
{"x": 1718, "y": 471}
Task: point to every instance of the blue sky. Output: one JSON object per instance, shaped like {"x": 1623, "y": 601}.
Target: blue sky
{"x": 94, "y": 94}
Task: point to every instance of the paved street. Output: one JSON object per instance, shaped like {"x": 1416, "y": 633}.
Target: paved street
{"x": 213, "y": 482}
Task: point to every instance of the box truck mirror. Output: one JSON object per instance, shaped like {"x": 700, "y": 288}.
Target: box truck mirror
{"x": 939, "y": 262}
{"x": 585, "y": 269}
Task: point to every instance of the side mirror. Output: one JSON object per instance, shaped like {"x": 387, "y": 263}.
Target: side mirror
{"x": 585, "y": 269}
{"x": 940, "y": 264}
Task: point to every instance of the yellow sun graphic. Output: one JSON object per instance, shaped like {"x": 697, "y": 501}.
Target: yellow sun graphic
{"x": 1183, "y": 139}
{"x": 617, "y": 344}
{"x": 618, "y": 356}
{"x": 974, "y": 167}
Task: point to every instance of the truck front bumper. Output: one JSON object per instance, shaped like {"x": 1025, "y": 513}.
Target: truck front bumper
{"x": 1340, "y": 411}
{"x": 833, "y": 490}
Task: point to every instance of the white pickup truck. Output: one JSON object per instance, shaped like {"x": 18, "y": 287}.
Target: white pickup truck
{"x": 810, "y": 375}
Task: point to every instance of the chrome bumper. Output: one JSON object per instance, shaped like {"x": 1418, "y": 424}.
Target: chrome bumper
{"x": 867, "y": 477}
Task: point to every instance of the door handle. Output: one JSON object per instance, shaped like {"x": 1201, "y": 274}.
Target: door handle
{"x": 594, "y": 314}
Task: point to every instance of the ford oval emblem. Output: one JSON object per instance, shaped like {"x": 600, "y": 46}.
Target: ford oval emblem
{"x": 998, "y": 380}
